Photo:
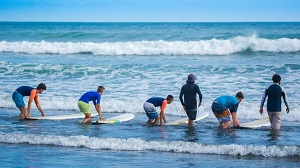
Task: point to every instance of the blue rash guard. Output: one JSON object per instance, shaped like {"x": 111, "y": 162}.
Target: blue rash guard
{"x": 91, "y": 96}
{"x": 156, "y": 101}
{"x": 274, "y": 94}
{"x": 229, "y": 102}
{"x": 25, "y": 90}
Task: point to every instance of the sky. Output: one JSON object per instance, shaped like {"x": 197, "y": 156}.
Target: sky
{"x": 150, "y": 10}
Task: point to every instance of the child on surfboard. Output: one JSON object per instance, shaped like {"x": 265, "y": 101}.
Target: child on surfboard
{"x": 84, "y": 106}
{"x": 150, "y": 109}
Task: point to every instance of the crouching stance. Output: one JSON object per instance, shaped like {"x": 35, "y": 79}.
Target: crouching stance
{"x": 150, "y": 109}
{"x": 225, "y": 106}
{"x": 22, "y": 91}
{"x": 84, "y": 105}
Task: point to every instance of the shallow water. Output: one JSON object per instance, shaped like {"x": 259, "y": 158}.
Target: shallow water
{"x": 135, "y": 61}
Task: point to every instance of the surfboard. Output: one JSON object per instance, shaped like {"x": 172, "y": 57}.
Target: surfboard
{"x": 116, "y": 119}
{"x": 184, "y": 120}
{"x": 61, "y": 117}
{"x": 256, "y": 123}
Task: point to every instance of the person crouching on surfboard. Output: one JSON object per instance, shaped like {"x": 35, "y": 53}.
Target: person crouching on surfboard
{"x": 149, "y": 107}
{"x": 274, "y": 94}
{"x": 22, "y": 91}
{"x": 84, "y": 106}
{"x": 189, "y": 103}
{"x": 221, "y": 107}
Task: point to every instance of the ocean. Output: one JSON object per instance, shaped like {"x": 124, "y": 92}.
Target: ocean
{"x": 136, "y": 61}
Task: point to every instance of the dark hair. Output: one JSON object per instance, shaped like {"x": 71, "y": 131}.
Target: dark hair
{"x": 100, "y": 89}
{"x": 239, "y": 95}
{"x": 276, "y": 78}
{"x": 170, "y": 97}
{"x": 41, "y": 86}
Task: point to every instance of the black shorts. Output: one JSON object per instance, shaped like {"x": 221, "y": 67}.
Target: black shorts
{"x": 192, "y": 114}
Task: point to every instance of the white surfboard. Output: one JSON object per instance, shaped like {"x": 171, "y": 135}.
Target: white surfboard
{"x": 256, "y": 123}
{"x": 200, "y": 116}
{"x": 116, "y": 119}
{"x": 61, "y": 117}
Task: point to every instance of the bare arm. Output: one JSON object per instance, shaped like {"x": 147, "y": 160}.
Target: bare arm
{"x": 162, "y": 117}
{"x": 235, "y": 120}
{"x": 98, "y": 109}
{"x": 40, "y": 109}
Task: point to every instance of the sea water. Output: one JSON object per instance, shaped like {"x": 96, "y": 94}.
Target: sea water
{"x": 136, "y": 61}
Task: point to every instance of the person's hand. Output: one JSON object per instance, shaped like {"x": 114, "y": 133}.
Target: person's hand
{"x": 43, "y": 114}
{"x": 287, "y": 110}
{"x": 199, "y": 104}
{"x": 236, "y": 126}
{"x": 261, "y": 110}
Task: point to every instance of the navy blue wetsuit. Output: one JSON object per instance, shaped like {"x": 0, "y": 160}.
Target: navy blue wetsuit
{"x": 189, "y": 92}
{"x": 274, "y": 94}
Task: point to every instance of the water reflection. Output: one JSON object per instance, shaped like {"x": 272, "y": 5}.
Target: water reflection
{"x": 274, "y": 134}
{"x": 191, "y": 134}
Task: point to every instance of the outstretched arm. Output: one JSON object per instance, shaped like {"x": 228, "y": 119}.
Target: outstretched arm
{"x": 98, "y": 109}
{"x": 162, "y": 117}
{"x": 40, "y": 109}
{"x": 235, "y": 120}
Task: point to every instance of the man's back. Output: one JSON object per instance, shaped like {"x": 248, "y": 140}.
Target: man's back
{"x": 189, "y": 91}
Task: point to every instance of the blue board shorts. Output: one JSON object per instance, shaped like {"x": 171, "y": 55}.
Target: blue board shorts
{"x": 218, "y": 108}
{"x": 150, "y": 110}
{"x": 221, "y": 112}
{"x": 192, "y": 114}
{"x": 18, "y": 99}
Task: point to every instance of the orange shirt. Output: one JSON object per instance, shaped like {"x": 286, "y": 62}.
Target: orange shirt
{"x": 34, "y": 95}
{"x": 164, "y": 105}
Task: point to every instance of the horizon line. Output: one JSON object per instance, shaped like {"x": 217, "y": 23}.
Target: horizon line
{"x": 157, "y": 21}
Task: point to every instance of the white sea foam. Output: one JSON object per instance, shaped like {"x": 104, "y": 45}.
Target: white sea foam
{"x": 134, "y": 144}
{"x": 202, "y": 47}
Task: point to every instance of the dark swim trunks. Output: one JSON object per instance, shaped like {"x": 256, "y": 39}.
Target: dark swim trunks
{"x": 192, "y": 114}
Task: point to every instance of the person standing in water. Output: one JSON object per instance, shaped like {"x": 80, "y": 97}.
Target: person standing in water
{"x": 274, "y": 93}
{"x": 189, "y": 103}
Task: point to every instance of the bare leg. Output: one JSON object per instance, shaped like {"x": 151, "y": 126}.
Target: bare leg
{"x": 23, "y": 113}
{"x": 156, "y": 121}
{"x": 221, "y": 125}
{"x": 87, "y": 118}
{"x": 149, "y": 121}
{"x": 190, "y": 123}
{"x": 226, "y": 124}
